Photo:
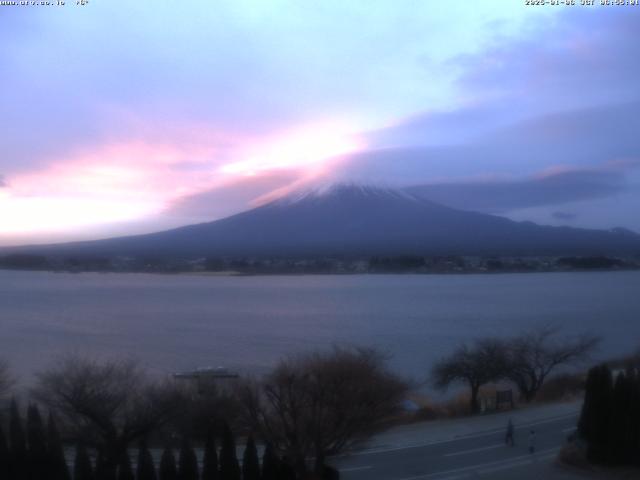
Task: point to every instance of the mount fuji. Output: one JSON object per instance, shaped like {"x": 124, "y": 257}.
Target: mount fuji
{"x": 353, "y": 220}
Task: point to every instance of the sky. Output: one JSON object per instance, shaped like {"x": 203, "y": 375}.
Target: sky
{"x": 122, "y": 117}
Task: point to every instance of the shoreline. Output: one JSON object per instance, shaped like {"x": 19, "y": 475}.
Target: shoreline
{"x": 236, "y": 273}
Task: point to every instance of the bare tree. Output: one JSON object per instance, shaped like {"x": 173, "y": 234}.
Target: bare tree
{"x": 204, "y": 410}
{"x": 110, "y": 403}
{"x": 536, "y": 353}
{"x": 320, "y": 404}
{"x": 483, "y": 362}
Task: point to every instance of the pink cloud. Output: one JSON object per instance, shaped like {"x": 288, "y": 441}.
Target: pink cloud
{"x": 152, "y": 170}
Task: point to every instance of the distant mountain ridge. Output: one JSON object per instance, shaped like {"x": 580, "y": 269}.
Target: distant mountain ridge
{"x": 355, "y": 220}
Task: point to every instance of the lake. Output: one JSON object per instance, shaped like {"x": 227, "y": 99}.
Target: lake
{"x": 176, "y": 322}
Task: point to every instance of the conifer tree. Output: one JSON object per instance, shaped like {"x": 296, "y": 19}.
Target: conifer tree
{"x": 146, "y": 469}
{"x": 634, "y": 418}
{"x": 270, "y": 464}
{"x": 286, "y": 471}
{"x": 229, "y": 467}
{"x": 250, "y": 462}
{"x": 18, "y": 445}
{"x": 604, "y": 405}
{"x": 37, "y": 458}
{"x": 587, "y": 413}
{"x": 59, "y": 470}
{"x": 618, "y": 418}
{"x": 629, "y": 424}
{"x": 188, "y": 462}
{"x": 82, "y": 468}
{"x": 210, "y": 470}
{"x": 596, "y": 411}
{"x": 125, "y": 471}
{"x": 168, "y": 470}
{"x": 330, "y": 473}
{"x": 4, "y": 455}
{"x": 104, "y": 469}
{"x": 610, "y": 417}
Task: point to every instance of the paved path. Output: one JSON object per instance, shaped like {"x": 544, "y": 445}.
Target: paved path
{"x": 467, "y": 448}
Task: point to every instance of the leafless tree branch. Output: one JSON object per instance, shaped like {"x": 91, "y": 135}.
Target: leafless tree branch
{"x": 320, "y": 404}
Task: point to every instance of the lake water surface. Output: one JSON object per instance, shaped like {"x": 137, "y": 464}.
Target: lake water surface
{"x": 175, "y": 322}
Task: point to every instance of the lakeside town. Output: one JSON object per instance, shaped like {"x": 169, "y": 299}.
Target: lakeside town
{"x": 321, "y": 265}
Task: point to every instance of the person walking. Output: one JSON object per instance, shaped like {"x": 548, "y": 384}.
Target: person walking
{"x": 509, "y": 436}
{"x": 532, "y": 441}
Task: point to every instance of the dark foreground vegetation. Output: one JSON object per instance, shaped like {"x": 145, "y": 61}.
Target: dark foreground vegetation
{"x": 117, "y": 423}
{"x": 308, "y": 408}
{"x": 609, "y": 424}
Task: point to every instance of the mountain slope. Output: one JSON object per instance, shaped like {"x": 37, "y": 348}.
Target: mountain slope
{"x": 353, "y": 220}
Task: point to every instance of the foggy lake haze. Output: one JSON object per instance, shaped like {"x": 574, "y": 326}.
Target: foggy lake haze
{"x": 175, "y": 322}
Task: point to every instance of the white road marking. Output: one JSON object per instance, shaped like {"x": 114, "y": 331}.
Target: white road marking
{"x": 487, "y": 433}
{"x": 519, "y": 463}
{"x": 473, "y": 450}
{"x": 509, "y": 463}
{"x": 506, "y": 466}
{"x": 355, "y": 469}
{"x": 570, "y": 429}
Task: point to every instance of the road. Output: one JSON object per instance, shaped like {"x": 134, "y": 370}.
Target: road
{"x": 476, "y": 455}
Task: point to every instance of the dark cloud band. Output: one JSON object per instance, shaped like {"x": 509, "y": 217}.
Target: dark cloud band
{"x": 548, "y": 189}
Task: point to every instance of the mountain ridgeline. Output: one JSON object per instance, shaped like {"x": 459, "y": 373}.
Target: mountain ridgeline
{"x": 350, "y": 220}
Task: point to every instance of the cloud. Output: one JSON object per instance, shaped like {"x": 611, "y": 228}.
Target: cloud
{"x": 3, "y": 182}
{"x": 569, "y": 100}
{"x": 583, "y": 138}
{"x": 238, "y": 194}
{"x": 441, "y": 103}
{"x": 235, "y": 65}
{"x": 581, "y": 57}
{"x": 549, "y": 188}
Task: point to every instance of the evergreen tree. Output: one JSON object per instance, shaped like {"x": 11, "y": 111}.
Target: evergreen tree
{"x": 168, "y": 470}
{"x": 610, "y": 418}
{"x": 188, "y": 462}
{"x": 604, "y": 405}
{"x": 4, "y": 455}
{"x": 59, "y": 470}
{"x": 270, "y": 464}
{"x": 104, "y": 469}
{"x": 82, "y": 468}
{"x": 37, "y": 457}
{"x": 624, "y": 420}
{"x": 330, "y": 473}
{"x": 250, "y": 462}
{"x": 210, "y": 460}
{"x": 229, "y": 467}
{"x": 596, "y": 411}
{"x": 286, "y": 471}
{"x": 146, "y": 469}
{"x": 631, "y": 425}
{"x": 18, "y": 445}
{"x": 618, "y": 418}
{"x": 587, "y": 413}
{"x": 125, "y": 471}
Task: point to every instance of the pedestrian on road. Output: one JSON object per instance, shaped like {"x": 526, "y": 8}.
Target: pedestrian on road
{"x": 509, "y": 436}
{"x": 532, "y": 441}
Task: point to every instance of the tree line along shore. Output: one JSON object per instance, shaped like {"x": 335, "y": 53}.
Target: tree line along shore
{"x": 319, "y": 265}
